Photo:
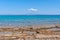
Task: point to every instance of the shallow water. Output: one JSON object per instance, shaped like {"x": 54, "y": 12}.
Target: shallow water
{"x": 28, "y": 20}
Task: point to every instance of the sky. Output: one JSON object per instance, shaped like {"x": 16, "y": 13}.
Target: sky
{"x": 29, "y": 7}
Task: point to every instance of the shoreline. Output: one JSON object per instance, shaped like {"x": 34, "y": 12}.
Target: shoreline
{"x": 33, "y": 32}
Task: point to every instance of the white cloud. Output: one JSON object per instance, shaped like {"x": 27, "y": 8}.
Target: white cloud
{"x": 33, "y": 10}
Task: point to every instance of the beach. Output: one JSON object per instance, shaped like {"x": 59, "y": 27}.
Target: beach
{"x": 29, "y": 27}
{"x": 29, "y": 33}
{"x": 29, "y": 19}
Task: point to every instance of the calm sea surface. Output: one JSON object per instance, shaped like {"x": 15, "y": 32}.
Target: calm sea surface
{"x": 28, "y": 20}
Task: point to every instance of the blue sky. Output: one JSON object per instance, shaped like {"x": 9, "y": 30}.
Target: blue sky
{"x": 29, "y": 7}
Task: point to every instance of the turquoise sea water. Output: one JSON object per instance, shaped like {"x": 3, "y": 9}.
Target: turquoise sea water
{"x": 28, "y": 20}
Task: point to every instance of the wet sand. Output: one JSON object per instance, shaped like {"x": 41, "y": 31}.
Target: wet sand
{"x": 30, "y": 33}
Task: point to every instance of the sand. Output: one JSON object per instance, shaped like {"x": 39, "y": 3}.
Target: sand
{"x": 29, "y": 33}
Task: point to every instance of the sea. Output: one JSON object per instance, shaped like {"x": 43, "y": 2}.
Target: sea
{"x": 28, "y": 20}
